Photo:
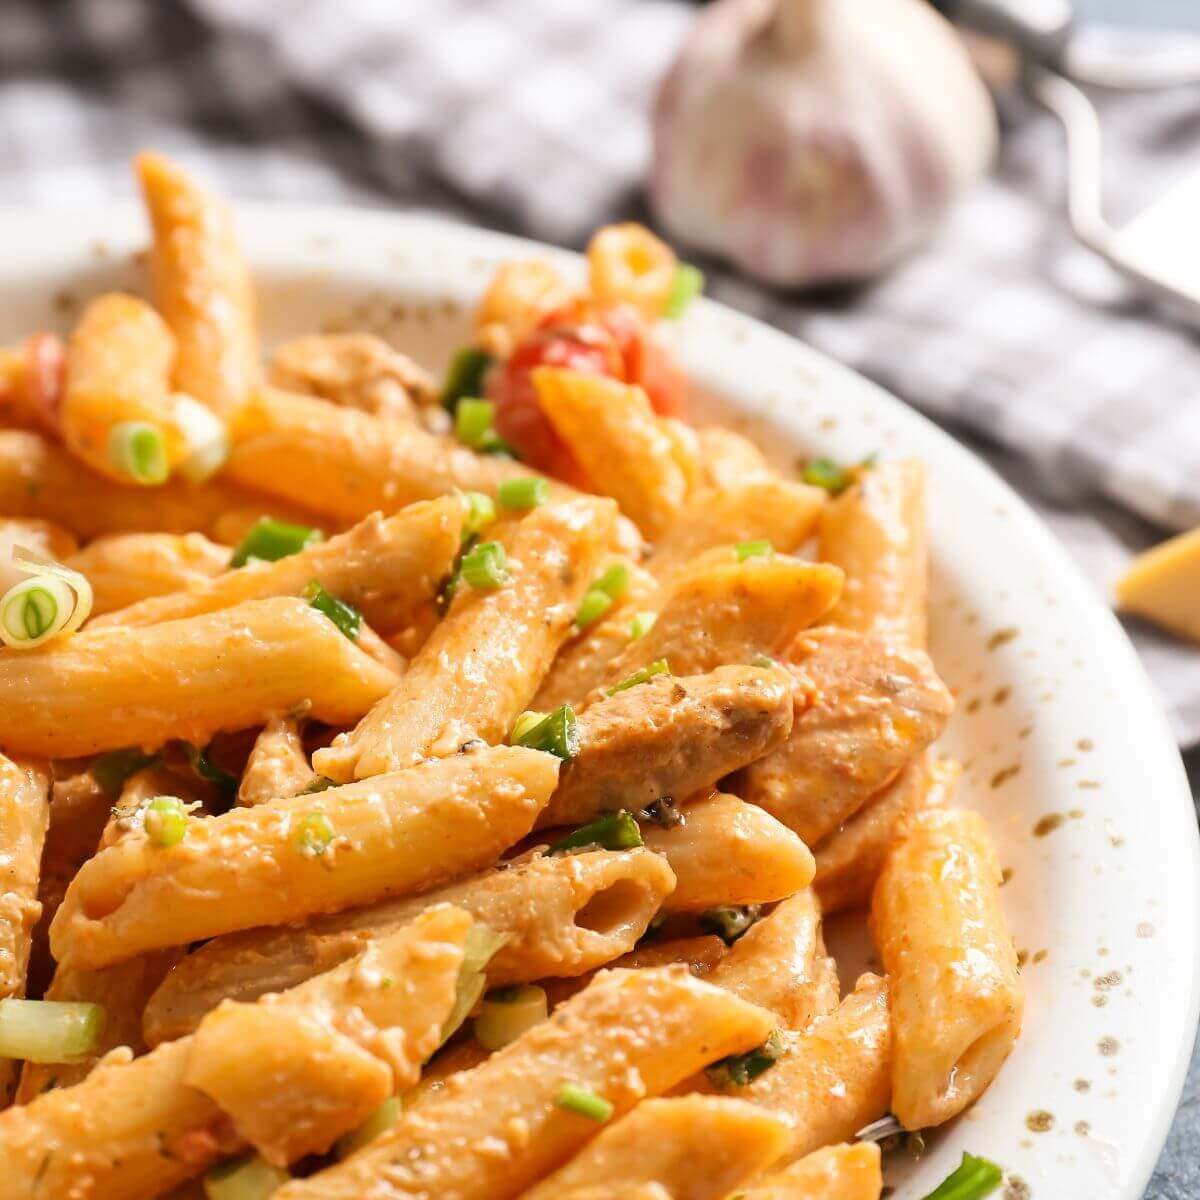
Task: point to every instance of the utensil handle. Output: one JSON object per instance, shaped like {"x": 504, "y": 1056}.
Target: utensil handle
{"x": 1040, "y": 29}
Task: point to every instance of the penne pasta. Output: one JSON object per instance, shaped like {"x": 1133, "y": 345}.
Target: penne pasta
{"x": 493, "y": 1132}
{"x": 729, "y": 459}
{"x": 692, "y": 1147}
{"x": 282, "y": 861}
{"x": 519, "y": 296}
{"x": 201, "y": 285}
{"x": 562, "y": 916}
{"x": 956, "y": 993}
{"x": 843, "y": 1172}
{"x": 42, "y": 537}
{"x": 278, "y": 764}
{"x": 670, "y": 737}
{"x": 223, "y": 670}
{"x": 876, "y": 706}
{"x": 875, "y": 531}
{"x": 627, "y": 264}
{"x": 482, "y": 664}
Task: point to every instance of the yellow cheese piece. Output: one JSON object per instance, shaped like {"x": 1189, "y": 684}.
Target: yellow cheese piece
{"x": 1163, "y": 585}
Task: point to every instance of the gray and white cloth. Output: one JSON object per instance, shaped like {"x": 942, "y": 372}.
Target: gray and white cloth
{"x": 530, "y": 115}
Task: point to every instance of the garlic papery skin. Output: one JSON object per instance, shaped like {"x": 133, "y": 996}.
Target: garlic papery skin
{"x": 811, "y": 141}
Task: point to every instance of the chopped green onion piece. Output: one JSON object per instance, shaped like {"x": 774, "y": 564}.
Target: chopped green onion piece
{"x": 269, "y": 540}
{"x": 166, "y": 821}
{"x": 972, "y": 1179}
{"x": 380, "y": 1121}
{"x": 205, "y": 436}
{"x": 473, "y": 420}
{"x": 587, "y": 1104}
{"x": 49, "y": 1031}
{"x": 759, "y": 549}
{"x": 481, "y": 944}
{"x": 208, "y": 770}
{"x": 557, "y": 733}
{"x": 614, "y": 582}
{"x": 112, "y": 769}
{"x": 641, "y": 624}
{"x": 29, "y": 611}
{"x": 481, "y": 512}
{"x": 248, "y": 1178}
{"x": 524, "y": 723}
{"x": 592, "y": 607}
{"x": 658, "y": 667}
{"x": 730, "y": 921}
{"x": 314, "y": 835}
{"x": 465, "y": 376}
{"x": 685, "y": 287}
{"x": 529, "y": 491}
{"x": 825, "y": 473}
{"x": 322, "y": 783}
{"x": 506, "y": 1013}
{"x": 613, "y": 831}
{"x": 740, "y": 1069}
{"x": 763, "y": 660}
{"x": 345, "y": 616}
{"x": 485, "y": 566}
{"x": 139, "y": 450}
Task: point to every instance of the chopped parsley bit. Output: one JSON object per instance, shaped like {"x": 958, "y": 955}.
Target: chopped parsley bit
{"x": 481, "y": 512}
{"x": 613, "y": 831}
{"x": 314, "y": 835}
{"x": 269, "y": 540}
{"x": 166, "y": 821}
{"x": 972, "y": 1179}
{"x": 529, "y": 491}
{"x": 740, "y": 1069}
{"x": 658, "y": 667}
{"x": 556, "y": 733}
{"x": 485, "y": 566}
{"x": 345, "y": 616}
{"x": 587, "y": 1104}
{"x": 111, "y": 770}
{"x": 465, "y": 376}
{"x": 473, "y": 425}
{"x": 641, "y": 625}
{"x": 208, "y": 770}
{"x": 613, "y": 582}
{"x": 685, "y": 287}
{"x": 757, "y": 549}
{"x": 592, "y": 607}
{"x": 825, "y": 473}
{"x": 730, "y": 921}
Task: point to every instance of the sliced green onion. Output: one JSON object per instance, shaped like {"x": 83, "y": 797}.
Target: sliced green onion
{"x": 757, "y": 549}
{"x": 740, "y": 1069}
{"x": 529, "y": 491}
{"x": 658, "y": 667}
{"x": 524, "y": 723}
{"x": 248, "y": 1178}
{"x": 730, "y": 921}
{"x": 485, "y": 566}
{"x": 972, "y": 1179}
{"x": 641, "y": 624}
{"x": 579, "y": 1100}
{"x": 473, "y": 426}
{"x": 465, "y": 376}
{"x": 345, "y": 616}
{"x": 166, "y": 821}
{"x": 208, "y": 770}
{"x": 613, "y": 831}
{"x": 556, "y": 733}
{"x": 481, "y": 512}
{"x": 314, "y": 835}
{"x": 481, "y": 944}
{"x": 54, "y": 600}
{"x": 825, "y": 473}
{"x": 592, "y": 607}
{"x": 139, "y": 450}
{"x": 685, "y": 287}
{"x": 205, "y": 435}
{"x": 322, "y": 783}
{"x": 269, "y": 540}
{"x": 380, "y": 1121}
{"x": 506, "y": 1013}
{"x": 763, "y": 660}
{"x": 112, "y": 769}
{"x": 49, "y": 1031}
{"x": 614, "y": 582}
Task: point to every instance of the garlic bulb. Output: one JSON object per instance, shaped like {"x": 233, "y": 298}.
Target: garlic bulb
{"x": 817, "y": 140}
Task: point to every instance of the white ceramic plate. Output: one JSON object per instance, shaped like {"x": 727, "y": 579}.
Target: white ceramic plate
{"x": 1056, "y": 721}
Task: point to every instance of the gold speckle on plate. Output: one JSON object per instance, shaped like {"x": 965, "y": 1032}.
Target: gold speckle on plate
{"x": 1085, "y": 744}
{"x": 1001, "y": 695}
{"x": 1047, "y": 824}
{"x": 1004, "y": 774}
{"x": 1040, "y": 955}
{"x": 1082, "y": 1128}
{"x": 1145, "y": 929}
{"x": 1082, "y": 1085}
{"x": 1002, "y": 637}
{"x": 1109, "y": 979}
{"x": 1108, "y": 1046}
{"x": 1039, "y": 1121}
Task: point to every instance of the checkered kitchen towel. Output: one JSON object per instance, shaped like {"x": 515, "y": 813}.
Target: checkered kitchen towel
{"x": 530, "y": 115}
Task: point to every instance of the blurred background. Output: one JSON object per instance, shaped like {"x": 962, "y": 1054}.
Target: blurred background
{"x": 888, "y": 186}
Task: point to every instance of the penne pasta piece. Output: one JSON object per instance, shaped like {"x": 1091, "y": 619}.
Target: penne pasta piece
{"x": 349, "y": 463}
{"x": 727, "y": 852}
{"x": 481, "y": 665}
{"x": 670, "y": 737}
{"x": 612, "y": 430}
{"x": 494, "y": 1131}
{"x": 843, "y": 1172}
{"x": 956, "y": 994}
{"x": 519, "y": 295}
{"x": 877, "y": 705}
{"x": 774, "y": 510}
{"x": 627, "y": 264}
{"x": 285, "y": 860}
{"x": 563, "y": 916}
{"x": 24, "y": 817}
{"x": 781, "y": 963}
{"x": 132, "y": 567}
{"x": 135, "y": 1129}
{"x": 201, "y": 285}
{"x": 849, "y": 859}
{"x": 834, "y": 1078}
{"x": 278, "y": 764}
{"x": 41, "y": 480}
{"x": 875, "y": 531}
{"x": 729, "y": 459}
{"x": 184, "y": 679}
{"x": 355, "y": 370}
{"x": 390, "y": 569}
{"x": 43, "y": 537}
{"x": 693, "y": 1147}
{"x": 731, "y": 612}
